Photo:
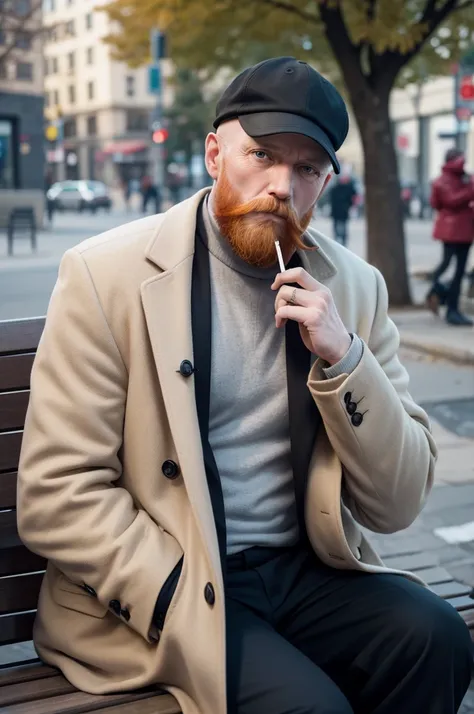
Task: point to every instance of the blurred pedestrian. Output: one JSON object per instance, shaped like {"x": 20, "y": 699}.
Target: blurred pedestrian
{"x": 452, "y": 196}
{"x": 342, "y": 197}
{"x": 127, "y": 193}
{"x": 150, "y": 192}
{"x": 48, "y": 182}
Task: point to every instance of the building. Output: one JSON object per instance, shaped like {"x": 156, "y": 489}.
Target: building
{"x": 21, "y": 108}
{"x": 100, "y": 107}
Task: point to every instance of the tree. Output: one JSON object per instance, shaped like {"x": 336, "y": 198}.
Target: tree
{"x": 19, "y": 24}
{"x": 371, "y": 45}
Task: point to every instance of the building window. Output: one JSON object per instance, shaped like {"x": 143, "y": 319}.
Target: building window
{"x": 71, "y": 61}
{"x": 56, "y": 98}
{"x": 23, "y": 40}
{"x": 46, "y": 100}
{"x": 137, "y": 120}
{"x": 21, "y": 8}
{"x": 90, "y": 90}
{"x": 130, "y": 85}
{"x": 49, "y": 6}
{"x": 24, "y": 71}
{"x": 46, "y": 66}
{"x": 69, "y": 128}
{"x": 71, "y": 92}
{"x": 54, "y": 62}
{"x": 90, "y": 55}
{"x": 89, "y": 21}
{"x": 70, "y": 29}
{"x": 7, "y": 154}
{"x": 50, "y": 34}
{"x": 92, "y": 125}
{"x": 3, "y": 70}
{"x": 2, "y": 37}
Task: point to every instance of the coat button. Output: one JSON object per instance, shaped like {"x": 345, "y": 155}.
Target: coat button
{"x": 125, "y": 614}
{"x": 351, "y": 408}
{"x": 347, "y": 397}
{"x": 115, "y": 606}
{"x": 209, "y": 594}
{"x": 357, "y": 419}
{"x": 90, "y": 591}
{"x": 170, "y": 469}
{"x": 186, "y": 368}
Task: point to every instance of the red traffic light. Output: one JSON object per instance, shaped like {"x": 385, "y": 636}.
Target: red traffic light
{"x": 466, "y": 90}
{"x": 159, "y": 136}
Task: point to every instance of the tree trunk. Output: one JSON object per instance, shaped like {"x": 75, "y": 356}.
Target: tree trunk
{"x": 383, "y": 206}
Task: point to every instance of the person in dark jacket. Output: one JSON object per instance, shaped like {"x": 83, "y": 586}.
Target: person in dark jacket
{"x": 452, "y": 196}
{"x": 342, "y": 198}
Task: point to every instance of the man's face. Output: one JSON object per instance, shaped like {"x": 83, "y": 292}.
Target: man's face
{"x": 265, "y": 190}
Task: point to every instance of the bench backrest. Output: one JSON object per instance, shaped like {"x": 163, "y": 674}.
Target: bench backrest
{"x": 21, "y": 571}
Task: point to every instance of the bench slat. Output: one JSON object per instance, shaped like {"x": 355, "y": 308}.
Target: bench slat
{"x": 35, "y": 689}
{"x": 8, "y": 490}
{"x": 79, "y": 702}
{"x": 10, "y": 445}
{"x": 13, "y": 407}
{"x": 15, "y": 371}
{"x": 20, "y": 560}
{"x": 434, "y": 576}
{"x": 416, "y": 561}
{"x": 461, "y": 603}
{"x": 452, "y": 589}
{"x": 25, "y": 673}
{"x": 19, "y": 592}
{"x": 16, "y": 628}
{"x": 166, "y": 704}
{"x": 9, "y": 537}
{"x": 20, "y": 335}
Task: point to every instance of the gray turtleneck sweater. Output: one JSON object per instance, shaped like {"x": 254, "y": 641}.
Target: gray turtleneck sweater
{"x": 248, "y": 421}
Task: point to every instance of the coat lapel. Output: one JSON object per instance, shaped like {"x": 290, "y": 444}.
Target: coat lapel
{"x": 166, "y": 301}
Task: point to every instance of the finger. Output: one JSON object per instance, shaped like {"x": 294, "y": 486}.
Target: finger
{"x": 293, "y": 312}
{"x": 295, "y": 275}
{"x": 295, "y": 296}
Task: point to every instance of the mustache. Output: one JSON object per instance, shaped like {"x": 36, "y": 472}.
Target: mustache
{"x": 259, "y": 205}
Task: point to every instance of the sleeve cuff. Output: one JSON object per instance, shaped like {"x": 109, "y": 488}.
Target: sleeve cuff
{"x": 349, "y": 362}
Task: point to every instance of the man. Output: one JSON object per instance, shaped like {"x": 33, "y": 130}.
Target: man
{"x": 205, "y": 436}
{"x": 452, "y": 195}
{"x": 342, "y": 196}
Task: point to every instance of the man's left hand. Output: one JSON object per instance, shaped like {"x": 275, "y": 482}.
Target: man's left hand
{"x": 312, "y": 306}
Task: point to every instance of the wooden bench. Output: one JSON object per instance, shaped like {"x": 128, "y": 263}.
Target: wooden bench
{"x": 29, "y": 687}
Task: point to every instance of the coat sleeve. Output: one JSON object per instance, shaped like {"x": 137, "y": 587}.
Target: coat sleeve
{"x": 459, "y": 198}
{"x": 71, "y": 510}
{"x": 387, "y": 453}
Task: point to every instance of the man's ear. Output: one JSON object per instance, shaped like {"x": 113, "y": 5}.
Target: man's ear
{"x": 326, "y": 181}
{"x": 212, "y": 152}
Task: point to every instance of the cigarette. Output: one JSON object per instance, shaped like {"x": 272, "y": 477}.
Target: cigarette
{"x": 280, "y": 256}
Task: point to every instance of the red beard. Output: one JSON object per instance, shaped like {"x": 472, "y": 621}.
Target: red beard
{"x": 253, "y": 237}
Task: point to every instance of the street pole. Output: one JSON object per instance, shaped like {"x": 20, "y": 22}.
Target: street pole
{"x": 155, "y": 81}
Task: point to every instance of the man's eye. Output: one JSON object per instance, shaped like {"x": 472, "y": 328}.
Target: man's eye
{"x": 260, "y": 154}
{"x": 309, "y": 170}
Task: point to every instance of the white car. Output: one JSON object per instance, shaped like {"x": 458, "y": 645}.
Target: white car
{"x": 79, "y": 196}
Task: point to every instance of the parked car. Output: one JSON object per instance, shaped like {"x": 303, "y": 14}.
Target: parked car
{"x": 79, "y": 196}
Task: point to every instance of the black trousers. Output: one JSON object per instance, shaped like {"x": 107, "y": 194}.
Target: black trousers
{"x": 304, "y": 638}
{"x": 459, "y": 251}
{"x": 340, "y": 230}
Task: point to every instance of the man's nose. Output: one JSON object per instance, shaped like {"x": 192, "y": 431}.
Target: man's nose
{"x": 281, "y": 182}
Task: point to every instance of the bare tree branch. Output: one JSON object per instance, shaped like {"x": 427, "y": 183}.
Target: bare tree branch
{"x": 13, "y": 23}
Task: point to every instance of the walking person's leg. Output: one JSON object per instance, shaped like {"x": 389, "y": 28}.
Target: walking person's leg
{"x": 453, "y": 316}
{"x": 437, "y": 293}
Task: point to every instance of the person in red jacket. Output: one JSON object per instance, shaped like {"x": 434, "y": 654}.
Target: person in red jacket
{"x": 452, "y": 196}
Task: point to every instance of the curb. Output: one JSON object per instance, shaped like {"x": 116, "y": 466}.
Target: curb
{"x": 451, "y": 354}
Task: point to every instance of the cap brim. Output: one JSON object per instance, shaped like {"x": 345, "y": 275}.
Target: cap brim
{"x": 269, "y": 123}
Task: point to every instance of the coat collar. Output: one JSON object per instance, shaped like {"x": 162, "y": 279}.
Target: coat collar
{"x": 173, "y": 240}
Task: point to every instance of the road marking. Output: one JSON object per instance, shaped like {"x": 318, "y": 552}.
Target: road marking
{"x": 456, "y": 534}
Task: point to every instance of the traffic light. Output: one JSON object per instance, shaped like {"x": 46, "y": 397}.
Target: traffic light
{"x": 466, "y": 88}
{"x": 159, "y": 136}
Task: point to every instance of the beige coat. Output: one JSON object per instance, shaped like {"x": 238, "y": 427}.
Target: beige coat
{"x": 108, "y": 407}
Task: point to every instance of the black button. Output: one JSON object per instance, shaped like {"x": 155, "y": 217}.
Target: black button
{"x": 115, "y": 606}
{"x": 125, "y": 614}
{"x": 347, "y": 397}
{"x": 170, "y": 469}
{"x": 186, "y": 368}
{"x": 357, "y": 419}
{"x": 351, "y": 407}
{"x": 209, "y": 594}
{"x": 90, "y": 590}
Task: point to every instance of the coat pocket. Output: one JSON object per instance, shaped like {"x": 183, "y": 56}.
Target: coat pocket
{"x": 166, "y": 595}
{"x": 67, "y": 594}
